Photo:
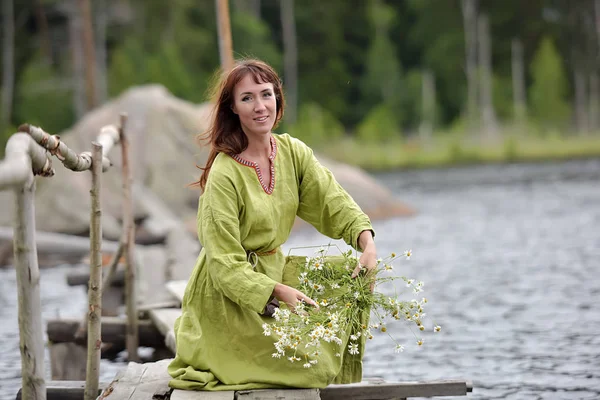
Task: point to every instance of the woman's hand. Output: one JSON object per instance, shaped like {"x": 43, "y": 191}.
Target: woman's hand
{"x": 368, "y": 258}
{"x": 291, "y": 296}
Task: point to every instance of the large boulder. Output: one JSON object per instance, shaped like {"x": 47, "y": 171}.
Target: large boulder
{"x": 164, "y": 154}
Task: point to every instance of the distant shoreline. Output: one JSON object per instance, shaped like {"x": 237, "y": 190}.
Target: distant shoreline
{"x": 446, "y": 153}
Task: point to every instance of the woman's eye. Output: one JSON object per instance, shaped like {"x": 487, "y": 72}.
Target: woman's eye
{"x": 245, "y": 98}
{"x": 268, "y": 94}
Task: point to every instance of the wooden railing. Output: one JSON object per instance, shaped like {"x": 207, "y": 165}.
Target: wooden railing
{"x": 28, "y": 154}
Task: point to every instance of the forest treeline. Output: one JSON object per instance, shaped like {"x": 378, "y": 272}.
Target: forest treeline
{"x": 377, "y": 70}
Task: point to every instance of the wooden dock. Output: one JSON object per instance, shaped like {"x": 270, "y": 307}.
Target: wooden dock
{"x": 149, "y": 381}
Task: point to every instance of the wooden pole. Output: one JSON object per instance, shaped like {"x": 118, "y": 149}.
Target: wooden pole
{"x": 24, "y": 158}
{"x": 31, "y": 332}
{"x": 132, "y": 339}
{"x": 108, "y": 137}
{"x": 94, "y": 341}
{"x": 224, "y": 32}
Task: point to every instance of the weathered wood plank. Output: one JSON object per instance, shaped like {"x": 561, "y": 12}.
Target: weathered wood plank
{"x": 81, "y": 276}
{"x": 390, "y": 390}
{"x": 164, "y": 319}
{"x": 176, "y": 288}
{"x": 59, "y": 243}
{"x": 200, "y": 395}
{"x": 140, "y": 382}
{"x": 65, "y": 390}
{"x": 144, "y": 308}
{"x": 279, "y": 394}
{"x": 113, "y": 331}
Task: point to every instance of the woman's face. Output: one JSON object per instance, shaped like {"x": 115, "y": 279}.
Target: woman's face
{"x": 256, "y": 106}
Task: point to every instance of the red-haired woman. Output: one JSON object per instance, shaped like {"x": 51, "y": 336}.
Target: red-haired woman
{"x": 254, "y": 184}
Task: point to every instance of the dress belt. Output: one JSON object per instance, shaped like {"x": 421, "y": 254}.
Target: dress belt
{"x": 253, "y": 256}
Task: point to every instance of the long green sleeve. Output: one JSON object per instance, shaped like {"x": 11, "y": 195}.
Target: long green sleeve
{"x": 324, "y": 203}
{"x": 226, "y": 258}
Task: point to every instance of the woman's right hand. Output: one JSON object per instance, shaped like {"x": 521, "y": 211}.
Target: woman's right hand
{"x": 291, "y": 296}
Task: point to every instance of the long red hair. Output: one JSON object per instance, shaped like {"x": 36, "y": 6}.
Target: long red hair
{"x": 225, "y": 134}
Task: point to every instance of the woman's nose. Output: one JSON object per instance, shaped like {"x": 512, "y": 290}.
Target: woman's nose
{"x": 259, "y": 105}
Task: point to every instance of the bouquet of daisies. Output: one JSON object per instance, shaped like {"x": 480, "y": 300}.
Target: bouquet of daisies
{"x": 345, "y": 305}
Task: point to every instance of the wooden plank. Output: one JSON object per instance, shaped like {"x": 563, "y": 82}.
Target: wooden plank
{"x": 279, "y": 394}
{"x": 390, "y": 390}
{"x": 164, "y": 319}
{"x": 176, "y": 288}
{"x": 144, "y": 308}
{"x": 81, "y": 276}
{"x": 113, "y": 331}
{"x": 140, "y": 382}
{"x": 201, "y": 395}
{"x": 65, "y": 390}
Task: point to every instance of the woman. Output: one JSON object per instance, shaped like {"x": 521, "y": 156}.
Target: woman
{"x": 254, "y": 184}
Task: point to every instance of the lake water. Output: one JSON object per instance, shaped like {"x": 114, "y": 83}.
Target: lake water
{"x": 510, "y": 257}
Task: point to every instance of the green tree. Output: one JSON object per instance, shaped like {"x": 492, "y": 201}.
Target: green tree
{"x": 128, "y": 67}
{"x": 382, "y": 83}
{"x": 316, "y": 126}
{"x": 548, "y": 92}
{"x": 379, "y": 125}
{"x": 252, "y": 38}
{"x": 167, "y": 68}
{"x": 41, "y": 99}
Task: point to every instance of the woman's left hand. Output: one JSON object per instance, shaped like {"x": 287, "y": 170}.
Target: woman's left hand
{"x": 367, "y": 260}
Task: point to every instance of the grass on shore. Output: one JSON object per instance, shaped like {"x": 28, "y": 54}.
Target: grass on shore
{"x": 451, "y": 151}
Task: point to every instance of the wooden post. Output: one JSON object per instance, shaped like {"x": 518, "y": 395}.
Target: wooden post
{"x": 132, "y": 339}
{"x": 31, "y": 341}
{"x": 94, "y": 341}
{"x": 224, "y": 32}
{"x": 24, "y": 158}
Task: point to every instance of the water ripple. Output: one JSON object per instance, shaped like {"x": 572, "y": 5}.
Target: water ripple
{"x": 509, "y": 255}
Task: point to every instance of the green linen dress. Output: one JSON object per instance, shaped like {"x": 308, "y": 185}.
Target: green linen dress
{"x": 219, "y": 336}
